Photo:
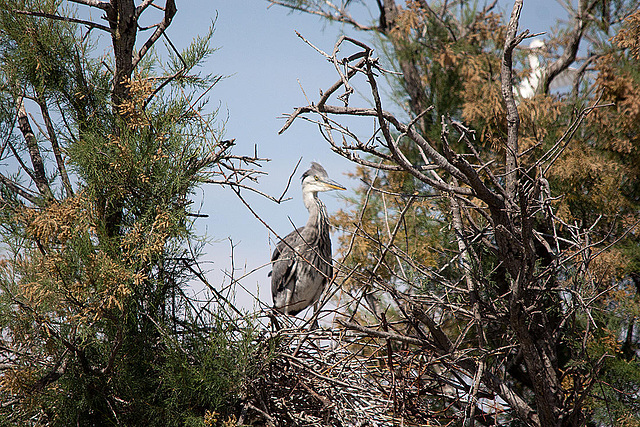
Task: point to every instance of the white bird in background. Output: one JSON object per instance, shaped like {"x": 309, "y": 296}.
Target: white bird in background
{"x": 302, "y": 261}
{"x": 529, "y": 85}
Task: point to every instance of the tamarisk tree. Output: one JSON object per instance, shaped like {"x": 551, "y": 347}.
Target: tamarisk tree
{"x": 102, "y": 157}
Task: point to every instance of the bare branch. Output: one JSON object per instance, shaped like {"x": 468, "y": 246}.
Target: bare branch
{"x": 382, "y": 334}
{"x": 89, "y": 24}
{"x": 513, "y": 118}
{"x": 53, "y": 139}
{"x": 19, "y": 190}
{"x": 338, "y": 14}
{"x": 39, "y": 175}
{"x": 568, "y": 56}
{"x": 169, "y": 12}
{"x": 141, "y": 8}
{"x": 94, "y": 3}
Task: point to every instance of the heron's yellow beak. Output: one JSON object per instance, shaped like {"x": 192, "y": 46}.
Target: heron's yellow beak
{"x": 333, "y": 185}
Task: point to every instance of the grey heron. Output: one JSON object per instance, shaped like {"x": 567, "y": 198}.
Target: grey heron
{"x": 301, "y": 262}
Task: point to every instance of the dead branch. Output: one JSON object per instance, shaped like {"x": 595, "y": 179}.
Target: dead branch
{"x": 169, "y": 12}
{"x": 513, "y": 118}
{"x": 89, "y": 24}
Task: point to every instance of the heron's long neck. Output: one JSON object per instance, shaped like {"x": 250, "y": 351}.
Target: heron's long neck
{"x": 317, "y": 211}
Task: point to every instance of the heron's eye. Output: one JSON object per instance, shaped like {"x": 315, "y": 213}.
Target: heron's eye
{"x": 316, "y": 178}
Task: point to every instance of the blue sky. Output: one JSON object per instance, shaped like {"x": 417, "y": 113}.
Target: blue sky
{"x": 267, "y": 65}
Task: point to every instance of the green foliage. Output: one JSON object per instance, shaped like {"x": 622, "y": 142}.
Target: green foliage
{"x": 208, "y": 372}
{"x": 183, "y": 64}
{"x": 96, "y": 325}
{"x": 34, "y": 51}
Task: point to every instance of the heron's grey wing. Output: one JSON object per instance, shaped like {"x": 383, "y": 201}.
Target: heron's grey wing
{"x": 283, "y": 261}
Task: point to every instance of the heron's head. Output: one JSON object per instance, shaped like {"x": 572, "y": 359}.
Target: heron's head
{"x": 536, "y": 44}
{"x": 316, "y": 179}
